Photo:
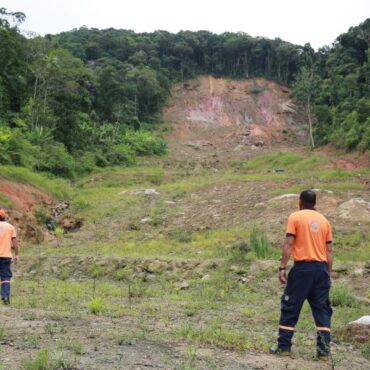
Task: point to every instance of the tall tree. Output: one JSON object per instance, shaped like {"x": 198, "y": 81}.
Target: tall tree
{"x": 304, "y": 90}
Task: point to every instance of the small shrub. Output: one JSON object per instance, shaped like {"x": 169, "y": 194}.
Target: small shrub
{"x": 96, "y": 306}
{"x": 76, "y": 347}
{"x": 239, "y": 250}
{"x": 41, "y": 216}
{"x": 97, "y": 271}
{"x": 64, "y": 274}
{"x": 59, "y": 233}
{"x": 3, "y": 334}
{"x": 260, "y": 244}
{"x": 121, "y": 274}
{"x": 340, "y": 295}
{"x": 59, "y": 361}
{"x": 180, "y": 235}
{"x": 41, "y": 362}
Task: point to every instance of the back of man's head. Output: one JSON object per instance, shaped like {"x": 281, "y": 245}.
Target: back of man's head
{"x": 308, "y": 199}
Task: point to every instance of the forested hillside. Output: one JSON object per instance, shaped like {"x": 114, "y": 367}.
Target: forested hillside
{"x": 88, "y": 97}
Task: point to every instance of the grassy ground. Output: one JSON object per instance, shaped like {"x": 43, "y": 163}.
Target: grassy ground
{"x": 184, "y": 278}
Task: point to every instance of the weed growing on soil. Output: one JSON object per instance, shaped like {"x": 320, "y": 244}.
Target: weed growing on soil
{"x": 76, "y": 347}
{"x": 366, "y": 351}
{"x": 46, "y": 361}
{"x": 190, "y": 360}
{"x": 96, "y": 306}
{"x": 341, "y": 295}
{"x": 5, "y": 202}
{"x": 3, "y": 334}
{"x": 216, "y": 334}
{"x": 260, "y": 244}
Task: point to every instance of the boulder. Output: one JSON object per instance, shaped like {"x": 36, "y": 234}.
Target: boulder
{"x": 284, "y": 196}
{"x": 364, "y": 320}
{"x": 355, "y": 210}
{"x": 340, "y": 268}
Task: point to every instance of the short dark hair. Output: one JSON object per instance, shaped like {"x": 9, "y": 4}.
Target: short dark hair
{"x": 308, "y": 198}
{"x": 2, "y": 219}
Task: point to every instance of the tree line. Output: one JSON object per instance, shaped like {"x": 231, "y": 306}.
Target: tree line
{"x": 89, "y": 97}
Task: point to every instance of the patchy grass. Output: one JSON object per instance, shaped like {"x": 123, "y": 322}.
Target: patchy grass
{"x": 341, "y": 295}
{"x": 352, "y": 246}
{"x": 219, "y": 287}
{"x": 5, "y": 202}
{"x": 218, "y": 335}
{"x": 46, "y": 361}
{"x": 57, "y": 187}
{"x": 288, "y": 161}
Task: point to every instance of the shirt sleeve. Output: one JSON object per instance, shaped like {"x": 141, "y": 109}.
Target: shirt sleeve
{"x": 14, "y": 233}
{"x": 291, "y": 227}
{"x": 329, "y": 235}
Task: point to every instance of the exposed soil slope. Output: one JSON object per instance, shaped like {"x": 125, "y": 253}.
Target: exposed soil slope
{"x": 22, "y": 202}
{"x": 225, "y": 115}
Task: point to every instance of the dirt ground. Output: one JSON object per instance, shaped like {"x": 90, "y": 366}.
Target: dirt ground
{"x": 102, "y": 352}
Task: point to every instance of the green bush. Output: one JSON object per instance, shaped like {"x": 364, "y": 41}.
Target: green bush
{"x": 144, "y": 143}
{"x": 121, "y": 154}
{"x": 85, "y": 163}
{"x": 16, "y": 149}
{"x": 54, "y": 158}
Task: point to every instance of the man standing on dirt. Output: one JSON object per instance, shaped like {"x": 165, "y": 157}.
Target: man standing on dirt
{"x": 8, "y": 240}
{"x": 309, "y": 240}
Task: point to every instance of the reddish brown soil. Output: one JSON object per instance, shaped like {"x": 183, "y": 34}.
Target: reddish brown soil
{"x": 218, "y": 115}
{"x": 346, "y": 160}
{"x": 25, "y": 200}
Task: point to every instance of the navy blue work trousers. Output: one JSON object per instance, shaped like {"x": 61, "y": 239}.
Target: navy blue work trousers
{"x": 311, "y": 281}
{"x": 5, "y": 276}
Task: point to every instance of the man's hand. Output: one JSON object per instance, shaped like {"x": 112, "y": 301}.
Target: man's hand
{"x": 15, "y": 259}
{"x": 282, "y": 276}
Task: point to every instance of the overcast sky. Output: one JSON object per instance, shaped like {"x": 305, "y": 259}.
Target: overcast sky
{"x": 298, "y": 21}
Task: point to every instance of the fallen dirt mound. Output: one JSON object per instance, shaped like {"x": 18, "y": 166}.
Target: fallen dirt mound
{"x": 354, "y": 333}
{"x": 222, "y": 114}
{"x": 25, "y": 200}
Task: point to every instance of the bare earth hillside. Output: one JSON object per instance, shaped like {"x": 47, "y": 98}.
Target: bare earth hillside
{"x": 227, "y": 115}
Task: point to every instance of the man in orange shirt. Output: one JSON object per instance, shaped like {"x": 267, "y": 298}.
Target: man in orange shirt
{"x": 8, "y": 240}
{"x": 309, "y": 240}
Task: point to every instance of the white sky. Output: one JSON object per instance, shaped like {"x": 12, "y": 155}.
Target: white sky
{"x": 316, "y": 21}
